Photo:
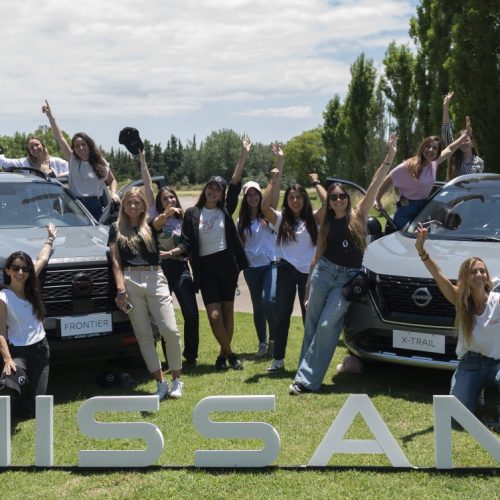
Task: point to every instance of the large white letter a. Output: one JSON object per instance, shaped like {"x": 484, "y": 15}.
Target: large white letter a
{"x": 333, "y": 441}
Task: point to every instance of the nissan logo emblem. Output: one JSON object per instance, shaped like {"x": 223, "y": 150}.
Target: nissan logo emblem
{"x": 421, "y": 297}
{"x": 83, "y": 283}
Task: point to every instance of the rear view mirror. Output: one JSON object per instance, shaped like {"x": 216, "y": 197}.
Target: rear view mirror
{"x": 452, "y": 221}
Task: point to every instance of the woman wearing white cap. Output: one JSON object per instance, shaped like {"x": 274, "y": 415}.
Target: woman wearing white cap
{"x": 259, "y": 241}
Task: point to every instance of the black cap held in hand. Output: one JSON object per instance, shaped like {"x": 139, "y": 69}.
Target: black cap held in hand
{"x": 129, "y": 137}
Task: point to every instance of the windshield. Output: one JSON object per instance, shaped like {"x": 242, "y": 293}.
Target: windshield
{"x": 462, "y": 212}
{"x": 35, "y": 204}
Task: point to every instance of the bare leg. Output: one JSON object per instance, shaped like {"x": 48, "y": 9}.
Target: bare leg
{"x": 215, "y": 318}
{"x": 227, "y": 309}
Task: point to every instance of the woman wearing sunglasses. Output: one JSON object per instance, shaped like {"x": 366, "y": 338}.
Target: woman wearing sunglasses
{"x": 23, "y": 343}
{"x": 339, "y": 253}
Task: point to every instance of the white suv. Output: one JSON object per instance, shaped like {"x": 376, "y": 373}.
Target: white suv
{"x": 405, "y": 318}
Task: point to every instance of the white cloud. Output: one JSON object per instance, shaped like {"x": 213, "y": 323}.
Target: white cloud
{"x": 294, "y": 112}
{"x": 158, "y": 58}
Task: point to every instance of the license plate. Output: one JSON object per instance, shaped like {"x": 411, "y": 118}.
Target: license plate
{"x": 89, "y": 325}
{"x": 426, "y": 342}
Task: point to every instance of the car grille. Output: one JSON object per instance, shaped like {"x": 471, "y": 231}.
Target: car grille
{"x": 78, "y": 290}
{"x": 393, "y": 295}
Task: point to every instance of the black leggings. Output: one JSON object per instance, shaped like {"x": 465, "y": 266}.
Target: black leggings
{"x": 34, "y": 359}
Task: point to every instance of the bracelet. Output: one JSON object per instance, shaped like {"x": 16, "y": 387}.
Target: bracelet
{"x": 425, "y": 258}
{"x": 121, "y": 292}
{"x": 422, "y": 254}
{"x": 315, "y": 183}
{"x": 51, "y": 239}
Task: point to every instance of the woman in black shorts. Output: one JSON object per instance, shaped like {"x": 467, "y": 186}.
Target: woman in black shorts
{"x": 217, "y": 256}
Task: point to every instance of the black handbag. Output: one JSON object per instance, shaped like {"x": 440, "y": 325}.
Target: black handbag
{"x": 357, "y": 287}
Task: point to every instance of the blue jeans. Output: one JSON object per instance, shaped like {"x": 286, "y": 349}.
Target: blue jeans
{"x": 474, "y": 372}
{"x": 326, "y": 309}
{"x": 406, "y": 213}
{"x": 261, "y": 282}
{"x": 288, "y": 282}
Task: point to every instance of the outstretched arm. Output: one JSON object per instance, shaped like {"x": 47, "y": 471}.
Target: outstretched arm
{"x": 448, "y": 289}
{"x": 322, "y": 194}
{"x": 146, "y": 179}
{"x": 280, "y": 161}
{"x": 63, "y": 144}
{"x": 113, "y": 186}
{"x": 268, "y": 212}
{"x": 43, "y": 255}
{"x": 449, "y": 150}
{"x": 446, "y": 133}
{"x": 240, "y": 165}
{"x": 381, "y": 181}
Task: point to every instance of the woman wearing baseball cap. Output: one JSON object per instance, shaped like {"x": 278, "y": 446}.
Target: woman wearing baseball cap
{"x": 216, "y": 254}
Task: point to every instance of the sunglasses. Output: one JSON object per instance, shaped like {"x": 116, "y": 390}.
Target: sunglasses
{"x": 335, "y": 197}
{"x": 16, "y": 268}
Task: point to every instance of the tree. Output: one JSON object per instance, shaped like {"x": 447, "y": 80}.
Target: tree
{"x": 474, "y": 68}
{"x": 218, "y": 155}
{"x": 399, "y": 87}
{"x": 334, "y": 136}
{"x": 305, "y": 154}
{"x": 359, "y": 108}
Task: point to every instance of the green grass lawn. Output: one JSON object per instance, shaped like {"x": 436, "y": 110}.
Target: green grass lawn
{"x": 402, "y": 396}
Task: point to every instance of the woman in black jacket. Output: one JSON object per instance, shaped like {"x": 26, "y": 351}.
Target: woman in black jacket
{"x": 217, "y": 256}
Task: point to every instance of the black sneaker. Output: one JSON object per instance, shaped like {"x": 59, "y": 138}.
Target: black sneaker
{"x": 296, "y": 389}
{"x": 220, "y": 363}
{"x": 235, "y": 362}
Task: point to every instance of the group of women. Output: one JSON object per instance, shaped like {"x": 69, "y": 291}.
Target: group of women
{"x": 281, "y": 252}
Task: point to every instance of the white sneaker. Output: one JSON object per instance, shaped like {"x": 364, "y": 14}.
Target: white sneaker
{"x": 261, "y": 352}
{"x": 177, "y": 386}
{"x": 161, "y": 389}
{"x": 276, "y": 365}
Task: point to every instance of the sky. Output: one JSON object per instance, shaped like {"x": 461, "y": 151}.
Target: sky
{"x": 186, "y": 67}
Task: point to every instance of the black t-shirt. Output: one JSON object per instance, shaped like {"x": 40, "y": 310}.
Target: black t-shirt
{"x": 143, "y": 257}
{"x": 341, "y": 249}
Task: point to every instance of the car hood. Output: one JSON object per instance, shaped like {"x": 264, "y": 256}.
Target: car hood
{"x": 396, "y": 255}
{"x": 87, "y": 243}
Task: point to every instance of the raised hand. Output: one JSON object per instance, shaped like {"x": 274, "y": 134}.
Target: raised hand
{"x": 313, "y": 177}
{"x": 421, "y": 236}
{"x": 46, "y": 109}
{"x": 468, "y": 126}
{"x": 447, "y": 98}
{"x": 392, "y": 144}
{"x": 51, "y": 230}
{"x": 246, "y": 143}
{"x": 277, "y": 150}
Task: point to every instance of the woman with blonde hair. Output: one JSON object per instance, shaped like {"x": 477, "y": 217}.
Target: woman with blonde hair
{"x": 142, "y": 288}
{"x": 415, "y": 178}
{"x": 477, "y": 320}
{"x": 337, "y": 260}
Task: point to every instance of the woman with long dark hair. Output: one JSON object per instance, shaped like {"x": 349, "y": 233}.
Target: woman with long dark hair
{"x": 37, "y": 156}
{"x": 142, "y": 289}
{"x": 464, "y": 160}
{"x": 23, "y": 342}
{"x": 89, "y": 172}
{"x": 415, "y": 178}
{"x": 259, "y": 241}
{"x": 297, "y": 235}
{"x": 211, "y": 240}
{"x": 477, "y": 320}
{"x": 166, "y": 210}
{"x": 341, "y": 243}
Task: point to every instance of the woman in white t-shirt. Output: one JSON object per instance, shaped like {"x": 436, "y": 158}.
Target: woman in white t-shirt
{"x": 37, "y": 156}
{"x": 415, "y": 177}
{"x": 297, "y": 235}
{"x": 89, "y": 172}
{"x": 23, "y": 343}
{"x": 259, "y": 241}
{"x": 478, "y": 322}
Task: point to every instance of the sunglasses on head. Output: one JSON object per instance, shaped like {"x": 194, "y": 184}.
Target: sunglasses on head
{"x": 335, "y": 197}
{"x": 16, "y": 268}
